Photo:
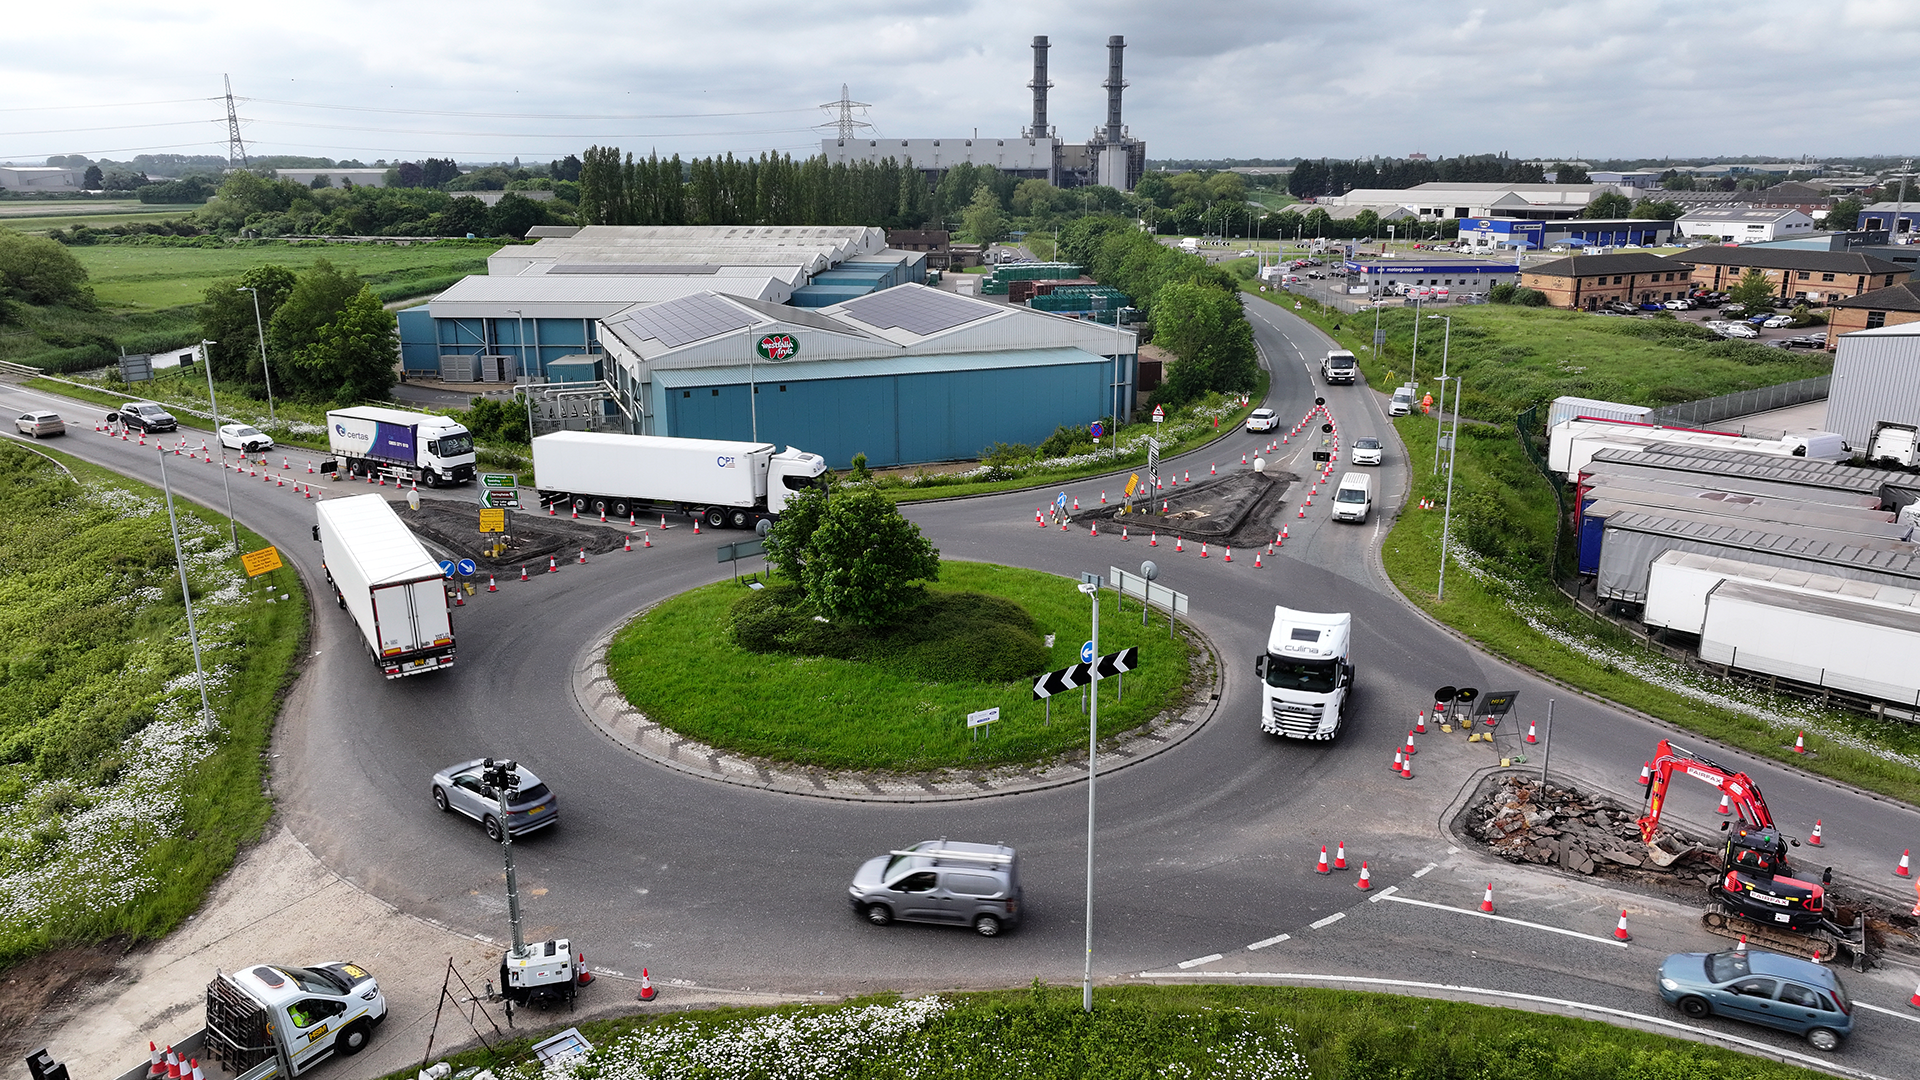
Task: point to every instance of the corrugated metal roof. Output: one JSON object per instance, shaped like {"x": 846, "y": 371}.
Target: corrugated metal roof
{"x": 1866, "y": 592}
{"x": 1833, "y": 607}
{"x": 1799, "y": 466}
{"x": 1893, "y": 556}
{"x": 1764, "y": 467}
{"x": 804, "y": 371}
{"x": 583, "y": 296}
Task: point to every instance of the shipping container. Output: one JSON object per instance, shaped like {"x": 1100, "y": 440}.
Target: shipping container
{"x": 1569, "y": 408}
{"x": 1634, "y": 540}
{"x": 1679, "y": 582}
{"x": 1826, "y": 641}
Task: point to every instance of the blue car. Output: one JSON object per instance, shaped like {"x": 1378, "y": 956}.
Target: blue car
{"x": 1784, "y": 992}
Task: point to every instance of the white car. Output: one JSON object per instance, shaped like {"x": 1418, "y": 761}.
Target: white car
{"x": 1778, "y": 321}
{"x": 1262, "y": 420}
{"x": 245, "y": 439}
{"x": 1738, "y": 330}
{"x": 1366, "y": 451}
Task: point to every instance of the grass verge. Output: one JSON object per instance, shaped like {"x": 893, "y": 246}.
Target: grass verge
{"x": 118, "y": 809}
{"x": 678, "y": 664}
{"x": 1225, "y": 1032}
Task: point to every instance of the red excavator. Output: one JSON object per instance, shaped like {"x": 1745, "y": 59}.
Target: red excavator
{"x": 1755, "y": 895}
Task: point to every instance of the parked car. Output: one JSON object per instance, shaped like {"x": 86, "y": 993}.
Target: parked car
{"x": 1805, "y": 341}
{"x": 1401, "y": 403}
{"x": 1738, "y": 330}
{"x": 1758, "y": 320}
{"x": 244, "y": 439}
{"x": 1679, "y": 305}
{"x": 941, "y": 881}
{"x": 145, "y": 416}
{"x": 530, "y": 804}
{"x": 1262, "y": 420}
{"x": 1653, "y": 305}
{"x": 1733, "y": 309}
{"x": 40, "y": 422}
{"x": 1778, "y": 321}
{"x": 1783, "y": 992}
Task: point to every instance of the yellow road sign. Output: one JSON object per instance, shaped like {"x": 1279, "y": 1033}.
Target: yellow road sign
{"x": 493, "y": 521}
{"x": 1133, "y": 483}
{"x": 259, "y": 562}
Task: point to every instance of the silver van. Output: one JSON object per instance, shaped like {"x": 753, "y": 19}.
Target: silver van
{"x": 1353, "y": 499}
{"x": 941, "y": 881}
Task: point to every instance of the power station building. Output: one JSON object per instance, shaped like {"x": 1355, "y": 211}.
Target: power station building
{"x": 1111, "y": 156}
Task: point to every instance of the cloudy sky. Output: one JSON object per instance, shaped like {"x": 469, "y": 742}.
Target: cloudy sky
{"x": 484, "y": 80}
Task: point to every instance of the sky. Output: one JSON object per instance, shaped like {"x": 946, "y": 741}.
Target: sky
{"x": 488, "y": 80}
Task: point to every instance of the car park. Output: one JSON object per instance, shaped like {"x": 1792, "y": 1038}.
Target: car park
{"x": 941, "y": 881}
{"x": 530, "y": 803}
{"x": 1366, "y": 451}
{"x": 1782, "y": 992}
{"x": 146, "y": 417}
{"x": 1778, "y": 321}
{"x": 40, "y": 422}
{"x": 245, "y": 439}
{"x": 1262, "y": 420}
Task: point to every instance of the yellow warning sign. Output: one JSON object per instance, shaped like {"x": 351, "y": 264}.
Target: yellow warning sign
{"x": 493, "y": 521}
{"x": 259, "y": 562}
{"x": 1133, "y": 484}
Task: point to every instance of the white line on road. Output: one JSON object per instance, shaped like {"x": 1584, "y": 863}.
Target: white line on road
{"x": 1275, "y": 940}
{"x": 1907, "y": 1016}
{"x": 1198, "y": 960}
{"x": 1427, "y": 869}
{"x": 1330, "y": 920}
{"x": 1824, "y": 1064}
{"x": 1383, "y": 894}
{"x": 1504, "y": 919}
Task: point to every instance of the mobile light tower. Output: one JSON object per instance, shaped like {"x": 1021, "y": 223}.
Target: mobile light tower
{"x": 544, "y": 971}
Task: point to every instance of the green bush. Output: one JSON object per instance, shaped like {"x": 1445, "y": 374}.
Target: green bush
{"x": 939, "y": 637}
{"x": 1066, "y": 440}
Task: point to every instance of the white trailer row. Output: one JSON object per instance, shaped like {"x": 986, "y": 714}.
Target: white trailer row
{"x": 1573, "y": 442}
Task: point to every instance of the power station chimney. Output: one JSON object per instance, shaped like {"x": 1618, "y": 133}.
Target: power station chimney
{"x": 1040, "y": 86}
{"x": 1116, "y": 46}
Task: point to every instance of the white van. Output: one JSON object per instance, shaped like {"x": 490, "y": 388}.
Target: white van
{"x": 1401, "y": 404}
{"x": 1353, "y": 499}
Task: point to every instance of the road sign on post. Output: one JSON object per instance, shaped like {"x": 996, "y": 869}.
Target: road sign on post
{"x": 259, "y": 562}
{"x": 500, "y": 491}
{"x": 493, "y": 521}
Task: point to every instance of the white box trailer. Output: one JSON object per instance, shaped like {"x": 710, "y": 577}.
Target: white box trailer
{"x": 401, "y": 445}
{"x": 1679, "y": 582}
{"x": 1633, "y": 540}
{"x": 1572, "y": 444}
{"x": 1833, "y": 642}
{"x": 729, "y": 484}
{"x": 1572, "y": 408}
{"x": 384, "y": 578}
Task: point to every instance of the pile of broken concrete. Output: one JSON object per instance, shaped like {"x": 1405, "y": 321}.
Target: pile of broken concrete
{"x": 1527, "y": 820}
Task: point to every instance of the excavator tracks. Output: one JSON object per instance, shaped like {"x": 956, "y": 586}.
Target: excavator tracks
{"x": 1818, "y": 946}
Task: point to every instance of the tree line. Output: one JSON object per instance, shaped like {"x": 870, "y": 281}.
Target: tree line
{"x": 1312, "y": 179}
{"x": 328, "y": 339}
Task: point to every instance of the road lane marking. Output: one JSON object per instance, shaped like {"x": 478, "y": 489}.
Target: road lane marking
{"x": 1907, "y": 1016}
{"x": 1504, "y": 919}
{"x": 1198, "y": 960}
{"x": 1330, "y": 920}
{"x": 1427, "y": 869}
{"x": 1823, "y": 1064}
{"x": 1383, "y": 894}
{"x": 1275, "y": 940}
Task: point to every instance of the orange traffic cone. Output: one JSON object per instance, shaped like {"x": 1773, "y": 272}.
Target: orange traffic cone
{"x": 1531, "y": 738}
{"x": 156, "y": 1063}
{"x": 1815, "y": 838}
{"x": 1800, "y": 743}
{"x": 1904, "y": 870}
{"x": 1340, "y": 856}
{"x": 173, "y": 1065}
{"x": 646, "y": 986}
{"x": 1620, "y": 932}
{"x": 195, "y": 1073}
{"x": 1366, "y": 879}
{"x": 586, "y": 977}
{"x": 1322, "y": 868}
{"x": 1486, "y": 904}
{"x": 523, "y": 573}
{"x": 491, "y": 587}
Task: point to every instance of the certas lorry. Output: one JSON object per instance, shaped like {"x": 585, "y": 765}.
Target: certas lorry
{"x": 367, "y": 440}
{"x": 729, "y": 484}
{"x": 275, "y": 1020}
{"x": 387, "y": 582}
{"x": 1305, "y": 676}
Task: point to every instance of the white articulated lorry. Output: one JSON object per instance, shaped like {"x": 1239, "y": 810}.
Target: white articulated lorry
{"x": 727, "y": 484}
{"x": 393, "y": 589}
{"x": 1305, "y": 676}
{"x": 271, "y": 1021}
{"x": 426, "y": 449}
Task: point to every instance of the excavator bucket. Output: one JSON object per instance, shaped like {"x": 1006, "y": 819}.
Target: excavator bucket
{"x": 1665, "y": 851}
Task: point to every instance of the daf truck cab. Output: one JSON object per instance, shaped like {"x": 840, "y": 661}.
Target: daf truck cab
{"x": 1305, "y": 675}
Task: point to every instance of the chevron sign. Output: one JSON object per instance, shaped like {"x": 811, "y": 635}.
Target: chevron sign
{"x": 1106, "y": 667}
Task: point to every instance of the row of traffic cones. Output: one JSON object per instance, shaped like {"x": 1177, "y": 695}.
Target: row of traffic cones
{"x": 166, "y": 1065}
{"x": 1340, "y": 863}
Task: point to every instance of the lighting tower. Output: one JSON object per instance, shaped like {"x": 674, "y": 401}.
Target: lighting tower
{"x": 236, "y": 148}
{"x": 846, "y": 123}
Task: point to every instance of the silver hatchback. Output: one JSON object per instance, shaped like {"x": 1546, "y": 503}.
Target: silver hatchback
{"x": 530, "y": 803}
{"x": 941, "y": 881}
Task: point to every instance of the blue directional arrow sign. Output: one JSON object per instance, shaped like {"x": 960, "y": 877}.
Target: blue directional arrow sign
{"x": 1086, "y": 653}
{"x": 466, "y": 567}
{"x": 1061, "y": 502}
{"x": 446, "y": 567}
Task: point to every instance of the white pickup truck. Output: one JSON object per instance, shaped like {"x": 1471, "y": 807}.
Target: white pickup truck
{"x": 273, "y": 1020}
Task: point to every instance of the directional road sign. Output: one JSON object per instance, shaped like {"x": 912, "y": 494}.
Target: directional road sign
{"x": 500, "y": 491}
{"x": 493, "y": 521}
{"x": 1106, "y": 667}
{"x": 447, "y": 568}
{"x": 1086, "y": 652}
{"x": 466, "y": 567}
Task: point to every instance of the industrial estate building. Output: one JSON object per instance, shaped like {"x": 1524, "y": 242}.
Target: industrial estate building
{"x": 39, "y": 178}
{"x": 1876, "y": 380}
{"x": 1896, "y": 305}
{"x": 1798, "y": 273}
{"x": 1440, "y": 200}
{"x": 1525, "y": 234}
{"x": 1398, "y": 275}
{"x": 1743, "y": 224}
{"x": 1585, "y": 282}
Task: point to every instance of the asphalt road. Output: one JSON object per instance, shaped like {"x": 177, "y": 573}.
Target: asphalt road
{"x": 1202, "y": 851}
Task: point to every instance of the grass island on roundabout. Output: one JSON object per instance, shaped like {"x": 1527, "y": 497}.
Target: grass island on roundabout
{"x": 811, "y": 671}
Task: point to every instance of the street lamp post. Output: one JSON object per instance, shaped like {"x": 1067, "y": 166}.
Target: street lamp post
{"x": 1092, "y": 589}
{"x": 260, "y": 331}
{"x": 186, "y": 594}
{"x": 213, "y": 405}
{"x": 1446, "y": 521}
{"x": 1440, "y": 420}
{"x": 1413, "y": 368}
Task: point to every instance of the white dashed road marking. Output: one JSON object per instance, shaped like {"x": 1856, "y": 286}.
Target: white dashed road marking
{"x": 1330, "y": 920}
{"x": 1504, "y": 919}
{"x": 1198, "y": 960}
{"x": 1275, "y": 940}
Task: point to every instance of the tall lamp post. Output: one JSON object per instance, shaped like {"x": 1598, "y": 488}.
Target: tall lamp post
{"x": 213, "y": 405}
{"x": 186, "y": 594}
{"x": 1446, "y": 521}
{"x": 260, "y": 331}
{"x": 1092, "y": 589}
{"x": 1413, "y": 367}
{"x": 1440, "y": 420}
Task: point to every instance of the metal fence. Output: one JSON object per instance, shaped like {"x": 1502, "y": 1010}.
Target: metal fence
{"x": 1527, "y": 424}
{"x": 1743, "y": 403}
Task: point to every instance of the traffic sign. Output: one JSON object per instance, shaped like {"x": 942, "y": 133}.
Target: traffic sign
{"x": 1086, "y": 652}
{"x": 259, "y": 562}
{"x": 466, "y": 567}
{"x": 1096, "y": 429}
{"x": 499, "y": 480}
{"x": 1061, "y": 502}
{"x": 447, "y": 568}
{"x": 1159, "y": 414}
{"x": 500, "y": 500}
{"x": 983, "y": 717}
{"x": 493, "y": 521}
{"x": 1133, "y": 484}
{"x": 1106, "y": 667}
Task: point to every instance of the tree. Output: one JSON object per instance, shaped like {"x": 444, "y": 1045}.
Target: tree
{"x": 316, "y": 300}
{"x": 1675, "y": 180}
{"x": 1570, "y": 174}
{"x": 94, "y": 179}
{"x": 1844, "y": 213}
{"x": 1753, "y": 290}
{"x": 352, "y": 357}
{"x": 226, "y": 319}
{"x": 792, "y": 534}
{"x": 864, "y": 558}
{"x": 1657, "y": 209}
{"x": 41, "y": 271}
{"x": 465, "y": 215}
{"x": 513, "y": 215}
{"x": 1608, "y": 205}
{"x": 1208, "y": 330}
{"x": 982, "y": 222}
{"x": 437, "y": 171}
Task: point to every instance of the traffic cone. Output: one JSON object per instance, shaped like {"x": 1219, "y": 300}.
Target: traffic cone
{"x": 1406, "y": 769}
{"x": 1243, "y": 459}
{"x": 1284, "y": 533}
{"x": 1411, "y": 749}
{"x": 523, "y": 573}
{"x": 1815, "y": 838}
{"x": 629, "y": 543}
{"x": 1904, "y": 870}
{"x": 491, "y": 587}
{"x": 1726, "y": 804}
{"x": 1646, "y": 774}
{"x": 143, "y": 438}
{"x": 1076, "y": 504}
{"x": 549, "y": 509}
{"x": 1741, "y": 945}
{"x": 1213, "y": 470}
{"x": 1486, "y": 902}
{"x": 646, "y": 540}
{"x": 309, "y": 493}
{"x": 696, "y": 526}
{"x": 1178, "y": 544}
{"x": 1800, "y": 743}
{"x": 1915, "y": 1002}
{"x": 309, "y": 466}
{"x": 279, "y": 481}
{"x": 1103, "y": 498}
{"x": 173, "y": 1065}
{"x": 1366, "y": 879}
{"x": 583, "y": 555}
{"x": 1203, "y": 549}
{"x": 1256, "y": 558}
{"x": 1037, "y": 519}
{"x": 1620, "y": 931}
{"x": 196, "y": 1073}
{"x": 285, "y": 464}
{"x": 631, "y": 523}
{"x": 416, "y": 484}
{"x": 1229, "y": 555}
{"x": 1340, "y": 856}
{"x": 1154, "y": 539}
{"x": 1187, "y": 476}
{"x": 1322, "y": 868}
{"x": 576, "y": 513}
{"x": 156, "y": 1064}
{"x": 1303, "y": 511}
{"x": 553, "y": 565}
{"x": 1093, "y": 530}
{"x": 663, "y": 521}
{"x": 1124, "y": 538}
{"x": 459, "y": 597}
{"x": 646, "y": 986}
{"x": 1420, "y": 724}
{"x": 383, "y": 481}
{"x": 603, "y": 515}
{"x": 586, "y": 977}
{"x": 1063, "y": 524}
{"x": 1531, "y": 737}
{"x": 1399, "y": 761}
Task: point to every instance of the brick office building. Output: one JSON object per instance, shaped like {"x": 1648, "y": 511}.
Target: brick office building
{"x": 1871, "y": 310}
{"x": 1584, "y": 282}
{"x": 1817, "y": 277}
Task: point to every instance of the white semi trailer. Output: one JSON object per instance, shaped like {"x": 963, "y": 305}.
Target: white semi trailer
{"x": 385, "y": 579}
{"x": 726, "y": 484}
{"x": 1305, "y": 676}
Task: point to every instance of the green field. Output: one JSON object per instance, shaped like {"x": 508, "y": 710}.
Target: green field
{"x": 677, "y": 664}
{"x": 39, "y": 218}
{"x": 132, "y": 278}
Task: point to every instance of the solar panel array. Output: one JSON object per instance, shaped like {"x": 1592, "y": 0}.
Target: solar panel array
{"x": 690, "y": 318}
{"x": 917, "y": 311}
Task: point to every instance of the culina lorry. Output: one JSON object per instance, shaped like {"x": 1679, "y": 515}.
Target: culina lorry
{"x": 367, "y": 440}
{"x": 1305, "y": 676}
{"x": 726, "y": 484}
{"x": 393, "y": 589}
{"x": 270, "y": 1021}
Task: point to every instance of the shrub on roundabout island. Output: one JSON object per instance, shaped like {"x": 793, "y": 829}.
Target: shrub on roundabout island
{"x": 857, "y": 558}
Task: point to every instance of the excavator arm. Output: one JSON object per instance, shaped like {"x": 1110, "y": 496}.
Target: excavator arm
{"x": 1742, "y": 796}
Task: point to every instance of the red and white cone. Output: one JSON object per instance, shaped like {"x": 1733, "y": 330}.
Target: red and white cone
{"x": 1243, "y": 459}
{"x": 1399, "y": 760}
{"x": 553, "y": 565}
{"x": 1153, "y": 539}
{"x": 628, "y": 545}
{"x": 1203, "y": 549}
{"x": 491, "y": 587}
{"x": 156, "y": 1061}
{"x": 1076, "y": 504}
{"x": 646, "y": 986}
{"x": 663, "y": 521}
{"x": 1815, "y": 838}
{"x": 1915, "y": 1000}
{"x": 195, "y": 1072}
{"x": 1800, "y": 743}
{"x": 646, "y": 540}
{"x": 583, "y": 555}
{"x": 1646, "y": 774}
{"x": 1486, "y": 902}
{"x": 309, "y": 467}
{"x": 550, "y": 510}
{"x": 1420, "y": 723}
{"x": 1322, "y": 867}
{"x": 1093, "y": 530}
{"x": 309, "y": 492}
{"x": 1531, "y": 737}
{"x": 1229, "y": 555}
{"x": 586, "y": 977}
{"x": 1366, "y": 879}
{"x": 523, "y": 574}
{"x": 1904, "y": 869}
{"x": 1340, "y": 855}
{"x": 576, "y": 513}
{"x": 1256, "y": 558}
{"x": 1178, "y": 543}
{"x": 631, "y": 522}
{"x": 1103, "y": 498}
{"x": 1726, "y": 804}
{"x": 1038, "y": 519}
{"x": 1406, "y": 769}
{"x": 1303, "y": 511}
{"x": 696, "y": 526}
{"x": 1411, "y": 749}
{"x": 1213, "y": 470}
{"x": 1124, "y": 538}
{"x": 1741, "y": 945}
{"x": 173, "y": 1065}
{"x": 603, "y": 515}
{"x": 1620, "y": 931}
{"x": 285, "y": 464}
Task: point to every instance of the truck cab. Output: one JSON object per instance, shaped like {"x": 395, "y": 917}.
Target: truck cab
{"x": 1338, "y": 366}
{"x": 791, "y": 472}
{"x": 274, "y": 1020}
{"x": 1305, "y": 676}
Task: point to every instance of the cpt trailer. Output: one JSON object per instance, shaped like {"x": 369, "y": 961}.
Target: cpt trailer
{"x": 728, "y": 484}
{"x": 273, "y": 1020}
{"x": 387, "y": 582}
{"x": 367, "y": 440}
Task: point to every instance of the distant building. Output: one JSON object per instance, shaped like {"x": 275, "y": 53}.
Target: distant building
{"x": 1892, "y": 306}
{"x": 1739, "y": 224}
{"x": 1900, "y": 219}
{"x": 1468, "y": 276}
{"x": 1585, "y": 282}
{"x": 1809, "y": 199}
{"x": 339, "y": 177}
{"x": 1639, "y": 179}
{"x": 1520, "y": 234}
{"x": 1439, "y": 200}
{"x": 39, "y": 178}
{"x": 1814, "y": 276}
